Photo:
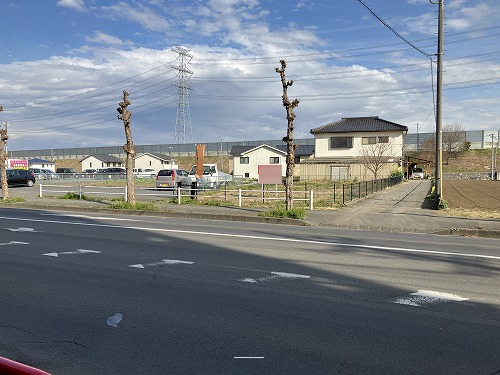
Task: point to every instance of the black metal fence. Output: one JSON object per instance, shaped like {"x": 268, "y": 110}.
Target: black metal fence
{"x": 347, "y": 192}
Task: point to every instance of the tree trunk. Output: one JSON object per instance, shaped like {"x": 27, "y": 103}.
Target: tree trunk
{"x": 290, "y": 145}
{"x": 128, "y": 147}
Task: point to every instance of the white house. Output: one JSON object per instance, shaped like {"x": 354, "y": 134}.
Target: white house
{"x": 101, "y": 161}
{"x": 37, "y": 163}
{"x": 154, "y": 160}
{"x": 246, "y": 159}
{"x": 355, "y": 147}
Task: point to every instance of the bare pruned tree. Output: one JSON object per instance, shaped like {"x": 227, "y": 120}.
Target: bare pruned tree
{"x": 290, "y": 145}
{"x": 374, "y": 156}
{"x": 454, "y": 142}
{"x": 128, "y": 147}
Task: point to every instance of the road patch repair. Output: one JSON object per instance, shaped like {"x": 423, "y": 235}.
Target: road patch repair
{"x": 423, "y": 298}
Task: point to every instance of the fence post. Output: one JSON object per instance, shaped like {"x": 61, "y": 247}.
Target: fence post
{"x": 178, "y": 195}
{"x": 80, "y": 191}
{"x": 334, "y": 191}
{"x": 343, "y": 193}
{"x": 351, "y": 191}
{"x": 239, "y": 197}
{"x": 40, "y": 189}
{"x": 126, "y": 195}
{"x": 311, "y": 200}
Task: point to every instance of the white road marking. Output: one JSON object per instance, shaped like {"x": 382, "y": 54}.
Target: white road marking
{"x": 14, "y": 243}
{"x": 21, "y": 229}
{"x": 163, "y": 261}
{"x": 423, "y": 298}
{"x": 280, "y": 239}
{"x": 79, "y": 251}
{"x": 274, "y": 276}
{"x": 248, "y": 357}
{"x": 113, "y": 320}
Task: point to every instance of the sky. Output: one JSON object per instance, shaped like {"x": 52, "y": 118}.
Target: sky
{"x": 64, "y": 65}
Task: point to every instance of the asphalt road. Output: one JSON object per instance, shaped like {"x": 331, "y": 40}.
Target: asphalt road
{"x": 106, "y": 294}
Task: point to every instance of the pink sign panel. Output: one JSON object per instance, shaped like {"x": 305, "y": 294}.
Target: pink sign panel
{"x": 18, "y": 164}
{"x": 270, "y": 174}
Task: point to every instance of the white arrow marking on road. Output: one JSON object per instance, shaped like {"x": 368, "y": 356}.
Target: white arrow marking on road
{"x": 423, "y": 298}
{"x": 14, "y": 243}
{"x": 275, "y": 275}
{"x": 21, "y": 229}
{"x": 79, "y": 251}
{"x": 163, "y": 261}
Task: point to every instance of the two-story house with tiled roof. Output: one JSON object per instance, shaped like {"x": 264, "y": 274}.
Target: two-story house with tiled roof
{"x": 355, "y": 148}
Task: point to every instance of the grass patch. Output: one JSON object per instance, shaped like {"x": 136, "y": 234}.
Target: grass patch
{"x": 138, "y": 206}
{"x": 70, "y": 195}
{"x": 76, "y": 196}
{"x": 294, "y": 213}
{"x": 13, "y": 200}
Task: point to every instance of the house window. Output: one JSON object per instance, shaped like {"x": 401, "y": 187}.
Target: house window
{"x": 369, "y": 140}
{"x": 90, "y": 164}
{"x": 244, "y": 160}
{"x": 150, "y": 163}
{"x": 274, "y": 160}
{"x": 341, "y": 142}
{"x": 383, "y": 139}
{"x": 247, "y": 175}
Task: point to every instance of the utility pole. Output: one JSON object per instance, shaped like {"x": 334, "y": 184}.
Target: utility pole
{"x": 128, "y": 147}
{"x": 183, "y": 131}
{"x": 439, "y": 133}
{"x": 3, "y": 160}
{"x": 290, "y": 145}
{"x": 493, "y": 156}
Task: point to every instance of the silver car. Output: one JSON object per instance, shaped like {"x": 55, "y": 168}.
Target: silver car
{"x": 172, "y": 178}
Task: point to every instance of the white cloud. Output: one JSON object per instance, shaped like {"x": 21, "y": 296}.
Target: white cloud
{"x": 78, "y": 5}
{"x": 140, "y": 14}
{"x": 103, "y": 38}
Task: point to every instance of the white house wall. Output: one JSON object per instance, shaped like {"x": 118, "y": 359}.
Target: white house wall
{"x": 256, "y": 157}
{"x": 148, "y": 161}
{"x": 92, "y": 162}
{"x": 323, "y": 149}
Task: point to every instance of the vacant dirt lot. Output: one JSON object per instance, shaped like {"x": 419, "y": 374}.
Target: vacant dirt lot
{"x": 470, "y": 194}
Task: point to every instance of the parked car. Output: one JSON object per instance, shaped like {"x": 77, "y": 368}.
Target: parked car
{"x": 20, "y": 177}
{"x": 417, "y": 174}
{"x": 172, "y": 178}
{"x": 39, "y": 173}
{"x": 89, "y": 171}
{"x": 145, "y": 172}
{"x": 50, "y": 174}
{"x": 65, "y": 170}
{"x": 111, "y": 170}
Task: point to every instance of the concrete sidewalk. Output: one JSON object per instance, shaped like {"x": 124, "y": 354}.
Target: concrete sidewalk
{"x": 401, "y": 208}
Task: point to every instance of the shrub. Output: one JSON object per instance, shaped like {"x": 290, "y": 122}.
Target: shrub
{"x": 139, "y": 206}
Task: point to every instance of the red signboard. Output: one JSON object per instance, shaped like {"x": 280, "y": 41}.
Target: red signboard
{"x": 270, "y": 174}
{"x": 17, "y": 164}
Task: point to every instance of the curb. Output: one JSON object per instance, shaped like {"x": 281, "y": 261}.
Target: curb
{"x": 167, "y": 213}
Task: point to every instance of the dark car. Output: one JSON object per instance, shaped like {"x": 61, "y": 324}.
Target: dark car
{"x": 65, "y": 170}
{"x": 20, "y": 177}
{"x": 111, "y": 170}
